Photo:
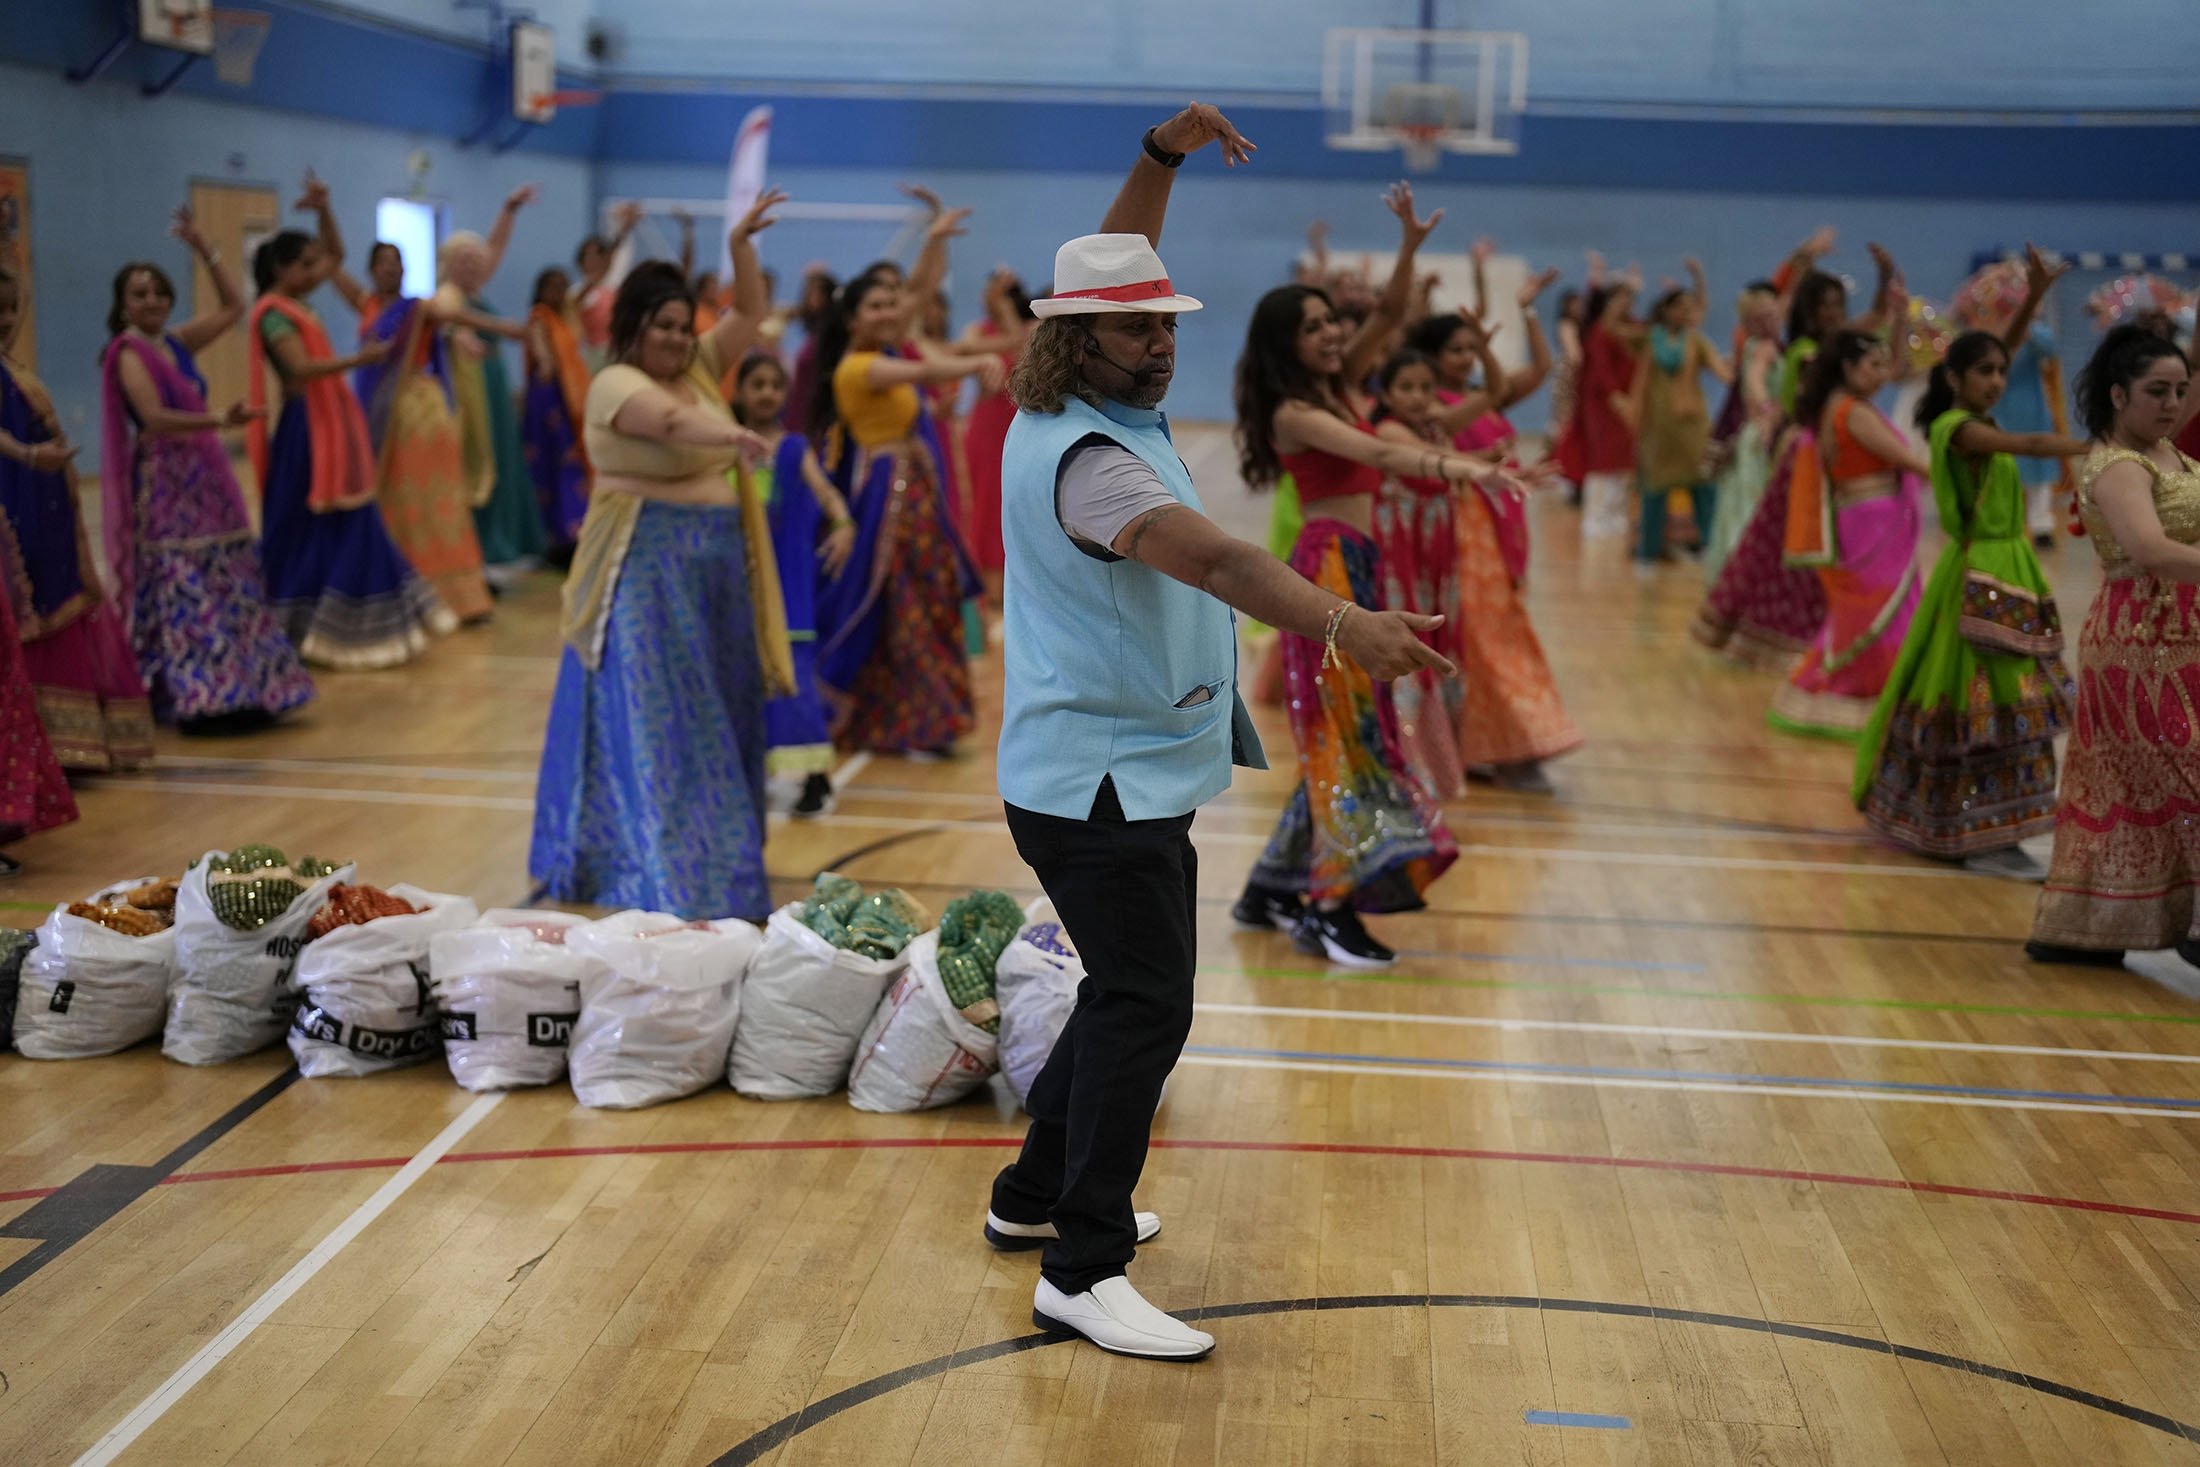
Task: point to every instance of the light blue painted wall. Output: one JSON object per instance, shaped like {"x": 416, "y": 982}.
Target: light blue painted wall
{"x": 2110, "y": 54}
{"x": 1232, "y": 236}
{"x": 108, "y": 166}
{"x": 443, "y": 18}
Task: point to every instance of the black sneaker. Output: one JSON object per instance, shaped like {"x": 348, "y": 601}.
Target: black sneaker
{"x": 1340, "y": 937}
{"x": 2076, "y": 957}
{"x": 1260, "y": 910}
{"x": 817, "y": 797}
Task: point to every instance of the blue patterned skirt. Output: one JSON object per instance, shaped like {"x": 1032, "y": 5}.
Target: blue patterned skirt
{"x": 652, "y": 785}
{"x": 337, "y": 582}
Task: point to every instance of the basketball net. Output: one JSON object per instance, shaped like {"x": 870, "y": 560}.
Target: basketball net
{"x": 238, "y": 36}
{"x": 1421, "y": 143}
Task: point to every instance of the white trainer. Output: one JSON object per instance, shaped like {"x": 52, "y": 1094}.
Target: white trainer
{"x": 1117, "y": 1318}
{"x": 1011, "y": 1237}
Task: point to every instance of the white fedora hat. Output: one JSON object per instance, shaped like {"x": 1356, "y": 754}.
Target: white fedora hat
{"x": 1110, "y": 272}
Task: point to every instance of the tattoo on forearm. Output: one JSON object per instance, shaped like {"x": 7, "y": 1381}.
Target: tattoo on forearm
{"x": 1138, "y": 531}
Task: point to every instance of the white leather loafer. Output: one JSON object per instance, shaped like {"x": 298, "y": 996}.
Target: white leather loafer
{"x": 1117, "y": 1318}
{"x": 1011, "y": 1237}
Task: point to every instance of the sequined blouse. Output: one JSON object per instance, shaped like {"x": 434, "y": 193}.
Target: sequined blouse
{"x": 2176, "y": 502}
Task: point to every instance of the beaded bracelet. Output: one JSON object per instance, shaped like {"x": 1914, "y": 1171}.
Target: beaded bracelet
{"x": 1330, "y": 657}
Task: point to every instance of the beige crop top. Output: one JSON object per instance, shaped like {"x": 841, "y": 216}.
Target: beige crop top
{"x": 2176, "y": 502}
{"x": 616, "y": 453}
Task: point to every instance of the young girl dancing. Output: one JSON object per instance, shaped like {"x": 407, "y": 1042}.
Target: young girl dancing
{"x": 812, "y": 536}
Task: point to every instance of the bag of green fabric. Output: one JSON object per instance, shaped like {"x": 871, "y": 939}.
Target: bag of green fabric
{"x": 879, "y": 925}
{"x": 973, "y": 934}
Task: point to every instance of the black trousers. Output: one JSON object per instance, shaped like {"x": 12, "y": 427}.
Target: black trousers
{"x": 1125, "y": 891}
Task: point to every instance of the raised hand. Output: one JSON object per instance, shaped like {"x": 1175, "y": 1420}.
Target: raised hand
{"x": 1820, "y": 244}
{"x": 759, "y": 217}
{"x": 185, "y": 227}
{"x": 1883, "y": 261}
{"x": 2040, "y": 273}
{"x": 626, "y": 216}
{"x": 1484, "y": 248}
{"x": 1200, "y": 124}
{"x": 925, "y": 195}
{"x": 314, "y": 196}
{"x": 1398, "y": 198}
{"x": 949, "y": 224}
{"x": 1534, "y": 286}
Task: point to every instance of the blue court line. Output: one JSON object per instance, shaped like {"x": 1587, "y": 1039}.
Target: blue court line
{"x": 1628, "y": 965}
{"x": 1576, "y": 1418}
{"x": 1769, "y": 1082}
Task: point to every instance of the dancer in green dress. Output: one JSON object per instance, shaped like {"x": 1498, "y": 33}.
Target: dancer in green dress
{"x": 1958, "y": 760}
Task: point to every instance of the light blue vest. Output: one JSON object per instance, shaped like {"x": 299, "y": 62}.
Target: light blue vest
{"x": 1112, "y": 668}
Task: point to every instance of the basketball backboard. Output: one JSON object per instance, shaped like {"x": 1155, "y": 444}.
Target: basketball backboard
{"x": 534, "y": 71}
{"x": 178, "y": 25}
{"x": 1425, "y": 92}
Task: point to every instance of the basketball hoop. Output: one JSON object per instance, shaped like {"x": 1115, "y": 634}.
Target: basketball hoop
{"x": 1422, "y": 145}
{"x": 238, "y": 36}
{"x": 543, "y": 106}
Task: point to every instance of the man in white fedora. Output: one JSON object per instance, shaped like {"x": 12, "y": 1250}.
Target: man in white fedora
{"x": 1121, "y": 718}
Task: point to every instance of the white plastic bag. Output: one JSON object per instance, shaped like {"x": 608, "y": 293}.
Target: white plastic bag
{"x": 233, "y": 993}
{"x": 804, "y": 1008}
{"x": 658, "y": 1023}
{"x": 510, "y": 992}
{"x": 365, "y": 1004}
{"x": 88, "y": 990}
{"x": 1036, "y": 980}
{"x": 919, "y": 1051}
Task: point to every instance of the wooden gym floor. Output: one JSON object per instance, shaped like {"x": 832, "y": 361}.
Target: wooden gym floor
{"x": 1695, "y": 1127}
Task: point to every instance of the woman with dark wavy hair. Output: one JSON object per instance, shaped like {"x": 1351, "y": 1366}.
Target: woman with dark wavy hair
{"x": 1360, "y": 834}
{"x": 891, "y": 656}
{"x": 179, "y": 539}
{"x": 652, "y": 785}
{"x": 2127, "y": 840}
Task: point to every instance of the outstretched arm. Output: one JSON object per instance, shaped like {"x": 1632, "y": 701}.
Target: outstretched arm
{"x": 737, "y": 328}
{"x": 1186, "y": 546}
{"x": 1519, "y": 385}
{"x": 1363, "y": 353}
{"x": 1143, "y": 203}
{"x": 500, "y": 233}
{"x": 2039, "y": 278}
{"x": 198, "y": 332}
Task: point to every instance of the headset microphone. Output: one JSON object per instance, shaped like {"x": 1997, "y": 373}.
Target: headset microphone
{"x": 1141, "y": 377}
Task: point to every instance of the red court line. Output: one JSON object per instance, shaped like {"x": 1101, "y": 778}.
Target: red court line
{"x": 1319, "y": 1148}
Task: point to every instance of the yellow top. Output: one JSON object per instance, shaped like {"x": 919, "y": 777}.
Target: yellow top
{"x": 616, "y": 453}
{"x": 872, "y": 415}
{"x": 2176, "y": 502}
{"x": 599, "y": 558}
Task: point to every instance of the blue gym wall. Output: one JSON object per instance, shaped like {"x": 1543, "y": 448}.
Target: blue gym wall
{"x": 2114, "y": 54}
{"x": 1726, "y": 127}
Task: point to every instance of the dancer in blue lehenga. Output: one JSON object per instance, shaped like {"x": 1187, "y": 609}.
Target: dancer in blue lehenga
{"x": 652, "y": 785}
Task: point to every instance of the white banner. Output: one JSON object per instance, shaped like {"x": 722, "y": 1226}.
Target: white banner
{"x": 744, "y": 179}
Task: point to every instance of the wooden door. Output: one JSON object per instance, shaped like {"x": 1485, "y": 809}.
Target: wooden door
{"x": 235, "y": 219}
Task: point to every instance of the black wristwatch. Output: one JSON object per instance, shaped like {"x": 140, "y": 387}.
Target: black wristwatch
{"x": 1158, "y": 153}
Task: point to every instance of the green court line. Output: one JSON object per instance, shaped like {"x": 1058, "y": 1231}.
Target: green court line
{"x": 1711, "y": 995}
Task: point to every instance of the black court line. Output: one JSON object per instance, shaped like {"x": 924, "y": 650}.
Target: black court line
{"x": 787, "y": 1428}
{"x": 98, "y": 1194}
{"x": 845, "y": 857}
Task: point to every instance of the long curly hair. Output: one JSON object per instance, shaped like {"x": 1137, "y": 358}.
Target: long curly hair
{"x": 1047, "y": 374}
